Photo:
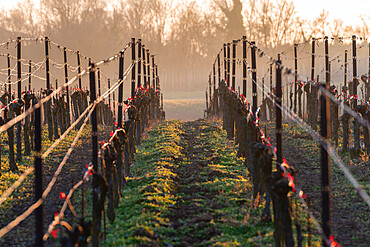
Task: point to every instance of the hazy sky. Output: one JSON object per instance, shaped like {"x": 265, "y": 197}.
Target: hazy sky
{"x": 348, "y": 11}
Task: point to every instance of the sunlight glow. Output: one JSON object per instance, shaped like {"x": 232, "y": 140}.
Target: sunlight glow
{"x": 349, "y": 12}
{"x": 9, "y": 4}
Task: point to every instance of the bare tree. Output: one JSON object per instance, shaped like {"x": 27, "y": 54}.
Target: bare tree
{"x": 282, "y": 22}
{"x": 234, "y": 27}
{"x": 265, "y": 22}
{"x": 318, "y": 26}
{"x": 22, "y": 19}
{"x": 336, "y": 28}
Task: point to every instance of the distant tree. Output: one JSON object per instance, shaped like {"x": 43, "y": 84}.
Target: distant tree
{"x": 234, "y": 26}
{"x": 60, "y": 14}
{"x": 251, "y": 19}
{"x": 319, "y": 25}
{"x": 364, "y": 28}
{"x": 22, "y": 19}
{"x": 282, "y": 23}
{"x": 265, "y": 22}
{"x": 337, "y": 28}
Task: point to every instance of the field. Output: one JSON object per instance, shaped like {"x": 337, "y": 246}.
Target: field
{"x": 184, "y": 105}
{"x": 189, "y": 189}
{"x": 116, "y": 151}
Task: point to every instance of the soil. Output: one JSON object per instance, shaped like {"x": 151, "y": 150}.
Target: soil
{"x": 24, "y": 233}
{"x": 189, "y": 218}
{"x": 350, "y": 221}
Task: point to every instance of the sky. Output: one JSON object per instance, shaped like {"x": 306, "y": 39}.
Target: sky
{"x": 348, "y": 11}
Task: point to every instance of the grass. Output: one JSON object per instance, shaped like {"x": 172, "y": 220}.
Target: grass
{"x": 147, "y": 196}
{"x": 26, "y": 188}
{"x": 347, "y": 206}
{"x": 145, "y": 214}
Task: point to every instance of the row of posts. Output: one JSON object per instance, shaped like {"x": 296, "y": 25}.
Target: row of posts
{"x": 325, "y": 128}
{"x": 143, "y": 61}
{"x": 227, "y": 61}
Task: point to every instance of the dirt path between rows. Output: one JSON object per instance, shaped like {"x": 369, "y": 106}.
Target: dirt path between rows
{"x": 24, "y": 233}
{"x": 349, "y": 225}
{"x": 195, "y": 208}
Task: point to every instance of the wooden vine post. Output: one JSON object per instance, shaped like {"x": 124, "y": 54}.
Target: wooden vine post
{"x": 144, "y": 65}
{"x": 79, "y": 70}
{"x": 38, "y": 179}
{"x": 96, "y": 225}
{"x": 279, "y": 146}
{"x": 356, "y": 125}
{"x": 153, "y": 72}
{"x": 67, "y": 87}
{"x": 234, "y": 65}
{"x": 295, "y": 78}
{"x": 254, "y": 77}
{"x": 225, "y": 62}
{"x": 279, "y": 151}
{"x": 133, "y": 71}
{"x": 214, "y": 89}
{"x": 109, "y": 102}
{"x": 228, "y": 65}
{"x": 120, "y": 90}
{"x": 245, "y": 66}
{"x": 325, "y": 170}
{"x": 139, "y": 49}
{"x": 19, "y": 78}
{"x": 148, "y": 67}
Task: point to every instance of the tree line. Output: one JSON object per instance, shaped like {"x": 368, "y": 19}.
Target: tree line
{"x": 191, "y": 31}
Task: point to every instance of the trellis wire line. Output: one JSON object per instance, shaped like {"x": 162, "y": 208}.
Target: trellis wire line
{"x": 61, "y": 66}
{"x": 328, "y": 147}
{"x": 346, "y": 108}
{"x": 19, "y": 181}
{"x": 331, "y": 58}
{"x": 286, "y": 50}
{"x": 26, "y": 62}
{"x": 6, "y": 44}
{"x": 104, "y": 75}
{"x": 10, "y": 190}
{"x": 290, "y": 71}
{"x": 22, "y": 72}
{"x": 304, "y": 47}
{"x": 11, "y": 71}
{"x": 50, "y": 149}
{"x": 23, "y": 216}
{"x": 40, "y": 66}
{"x": 26, "y": 78}
{"x": 26, "y": 213}
{"x": 218, "y": 54}
{"x": 33, "y": 39}
{"x": 60, "y": 47}
{"x": 60, "y": 216}
{"x": 292, "y": 58}
{"x": 4, "y": 73}
{"x": 114, "y": 56}
{"x": 42, "y": 101}
{"x": 56, "y": 65}
{"x": 39, "y": 77}
{"x": 299, "y": 192}
{"x": 29, "y": 170}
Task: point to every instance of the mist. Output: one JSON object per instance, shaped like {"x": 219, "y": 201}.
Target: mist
{"x": 184, "y": 37}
